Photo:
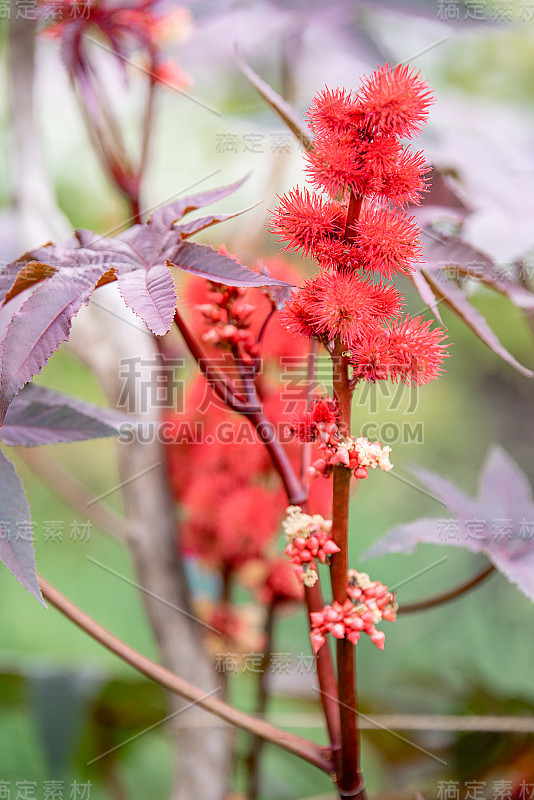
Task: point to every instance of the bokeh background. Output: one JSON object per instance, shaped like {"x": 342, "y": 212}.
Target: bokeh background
{"x": 64, "y": 698}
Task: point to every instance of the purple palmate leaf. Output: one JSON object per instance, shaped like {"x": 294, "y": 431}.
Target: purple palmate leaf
{"x": 60, "y": 279}
{"x": 16, "y": 547}
{"x": 499, "y": 523}
{"x": 464, "y": 260}
{"x": 8, "y": 273}
{"x": 40, "y": 416}
{"x": 40, "y": 325}
{"x": 425, "y": 292}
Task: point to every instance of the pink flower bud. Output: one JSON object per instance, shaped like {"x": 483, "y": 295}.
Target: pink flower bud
{"x": 378, "y": 638}
{"x": 331, "y": 547}
{"x": 338, "y": 630}
{"x": 317, "y": 642}
{"x": 342, "y": 456}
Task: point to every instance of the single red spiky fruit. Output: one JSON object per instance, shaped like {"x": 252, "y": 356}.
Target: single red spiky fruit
{"x": 306, "y": 222}
{"x": 370, "y": 355}
{"x": 395, "y": 101}
{"x": 406, "y": 180}
{"x": 303, "y": 427}
{"x": 340, "y": 304}
{"x": 387, "y": 241}
{"x": 416, "y": 350}
{"x": 325, "y": 410}
{"x": 334, "y": 111}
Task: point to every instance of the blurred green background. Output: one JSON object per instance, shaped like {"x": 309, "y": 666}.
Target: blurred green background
{"x": 63, "y": 697}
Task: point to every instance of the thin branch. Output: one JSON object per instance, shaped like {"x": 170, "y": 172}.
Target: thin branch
{"x": 320, "y": 757}
{"x": 216, "y": 381}
{"x": 450, "y": 594}
{"x": 261, "y": 334}
{"x": 247, "y": 374}
{"x": 263, "y": 328}
{"x": 296, "y": 493}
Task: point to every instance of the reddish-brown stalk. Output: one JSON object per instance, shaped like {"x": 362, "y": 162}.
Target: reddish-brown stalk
{"x": 350, "y": 779}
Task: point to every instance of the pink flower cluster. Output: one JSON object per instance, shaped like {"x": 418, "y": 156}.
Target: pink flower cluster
{"x": 369, "y": 603}
{"x": 229, "y": 318}
{"x": 308, "y": 538}
{"x": 358, "y": 454}
{"x": 319, "y": 423}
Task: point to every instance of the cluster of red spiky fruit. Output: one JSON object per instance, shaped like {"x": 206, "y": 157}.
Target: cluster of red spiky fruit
{"x": 357, "y": 232}
{"x": 369, "y": 603}
{"x": 308, "y": 537}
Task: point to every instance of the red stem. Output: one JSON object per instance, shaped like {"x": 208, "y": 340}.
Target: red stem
{"x": 216, "y": 381}
{"x": 350, "y": 779}
{"x": 351, "y": 782}
{"x": 307, "y": 446}
{"x": 355, "y": 206}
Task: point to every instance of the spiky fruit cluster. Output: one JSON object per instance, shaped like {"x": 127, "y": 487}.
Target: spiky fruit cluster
{"x": 370, "y": 602}
{"x": 358, "y": 136}
{"x": 308, "y": 537}
{"x": 355, "y": 229}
